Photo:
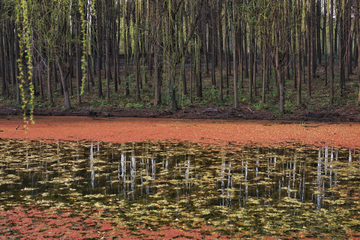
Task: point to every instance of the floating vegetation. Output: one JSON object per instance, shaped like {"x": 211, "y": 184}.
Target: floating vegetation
{"x": 267, "y": 191}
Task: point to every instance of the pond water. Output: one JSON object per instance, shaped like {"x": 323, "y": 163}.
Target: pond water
{"x": 263, "y": 190}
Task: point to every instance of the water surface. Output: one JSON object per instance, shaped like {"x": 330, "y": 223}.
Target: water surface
{"x": 267, "y": 190}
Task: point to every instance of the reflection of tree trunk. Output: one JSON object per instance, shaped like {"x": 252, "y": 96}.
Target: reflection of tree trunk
{"x": 63, "y": 77}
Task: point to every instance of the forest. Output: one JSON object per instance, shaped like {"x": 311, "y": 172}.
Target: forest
{"x": 176, "y": 54}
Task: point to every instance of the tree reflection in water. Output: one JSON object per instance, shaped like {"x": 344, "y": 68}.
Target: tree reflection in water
{"x": 253, "y": 188}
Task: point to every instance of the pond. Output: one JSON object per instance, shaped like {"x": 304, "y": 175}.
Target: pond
{"x": 147, "y": 185}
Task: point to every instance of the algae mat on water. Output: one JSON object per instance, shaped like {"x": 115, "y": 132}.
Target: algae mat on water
{"x": 153, "y": 189}
{"x": 122, "y": 130}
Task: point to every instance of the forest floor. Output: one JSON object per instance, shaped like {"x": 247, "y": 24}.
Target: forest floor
{"x": 315, "y": 108}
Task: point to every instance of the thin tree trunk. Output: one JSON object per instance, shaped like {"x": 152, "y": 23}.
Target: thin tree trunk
{"x": 263, "y": 65}
{"x": 51, "y": 101}
{"x": 331, "y": 60}
{"x": 357, "y": 19}
{"x": 78, "y": 66}
{"x": 157, "y": 67}
{"x": 63, "y": 77}
{"x": 236, "y": 98}
{"x": 251, "y": 62}
{"x": 12, "y": 56}
{"x": 227, "y": 52}
{"x": 342, "y": 53}
{"x": 3, "y": 61}
{"x": 299, "y": 60}
{"x": 16, "y": 66}
{"x": 318, "y": 30}
{"x": 99, "y": 44}
{"x": 220, "y": 50}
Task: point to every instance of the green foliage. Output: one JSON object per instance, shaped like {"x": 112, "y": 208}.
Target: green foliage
{"x": 134, "y": 105}
{"x": 25, "y": 35}
{"x": 85, "y": 44}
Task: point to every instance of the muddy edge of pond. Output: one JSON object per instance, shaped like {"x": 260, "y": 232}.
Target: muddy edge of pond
{"x": 229, "y": 132}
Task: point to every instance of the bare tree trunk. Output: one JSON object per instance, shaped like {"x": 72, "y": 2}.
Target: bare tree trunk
{"x": 318, "y": 29}
{"x": 51, "y": 101}
{"x": 3, "y": 62}
{"x": 16, "y": 66}
{"x": 157, "y": 65}
{"x": 12, "y": 55}
{"x": 99, "y": 43}
{"x": 198, "y": 68}
{"x": 220, "y": 45}
{"x": 107, "y": 23}
{"x": 357, "y": 19}
{"x": 157, "y": 100}
{"x": 251, "y": 61}
{"x": 331, "y": 63}
{"x": 263, "y": 65}
{"x": 227, "y": 48}
{"x": 299, "y": 57}
{"x": 342, "y": 52}
{"x": 213, "y": 46}
{"x": 78, "y": 65}
{"x": 63, "y": 77}
{"x": 236, "y": 98}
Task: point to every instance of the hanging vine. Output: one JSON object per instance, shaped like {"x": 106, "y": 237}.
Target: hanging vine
{"x": 84, "y": 43}
{"x": 25, "y": 47}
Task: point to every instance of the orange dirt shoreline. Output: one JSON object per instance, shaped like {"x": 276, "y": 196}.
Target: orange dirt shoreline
{"x": 122, "y": 130}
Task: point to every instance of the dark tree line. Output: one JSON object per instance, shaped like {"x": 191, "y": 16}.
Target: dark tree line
{"x": 73, "y": 46}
